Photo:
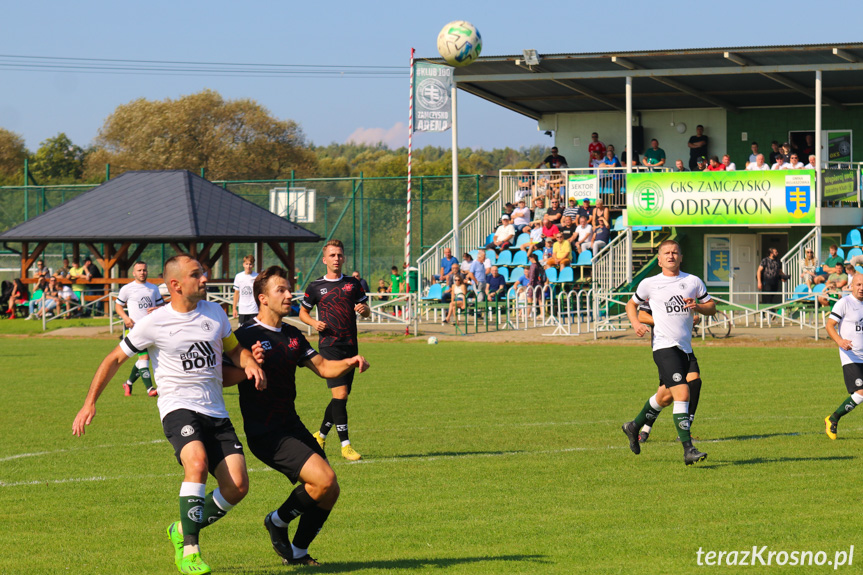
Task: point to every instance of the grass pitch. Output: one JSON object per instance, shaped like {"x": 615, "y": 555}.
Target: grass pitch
{"x": 478, "y": 458}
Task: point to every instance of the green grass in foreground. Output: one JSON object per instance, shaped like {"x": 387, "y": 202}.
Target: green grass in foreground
{"x": 479, "y": 458}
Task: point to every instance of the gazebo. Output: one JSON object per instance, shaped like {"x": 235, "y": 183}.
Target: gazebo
{"x": 172, "y": 207}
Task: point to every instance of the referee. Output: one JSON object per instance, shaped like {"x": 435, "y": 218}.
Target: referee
{"x": 274, "y": 431}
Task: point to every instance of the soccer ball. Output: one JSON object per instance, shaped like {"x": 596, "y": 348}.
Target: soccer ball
{"x": 432, "y": 340}
{"x": 459, "y": 43}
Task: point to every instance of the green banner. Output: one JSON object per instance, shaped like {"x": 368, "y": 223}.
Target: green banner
{"x": 839, "y": 186}
{"x": 740, "y": 198}
{"x": 839, "y": 146}
{"x": 431, "y": 97}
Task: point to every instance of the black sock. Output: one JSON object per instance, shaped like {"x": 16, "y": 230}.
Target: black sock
{"x": 694, "y": 394}
{"x": 327, "y": 423}
{"x": 134, "y": 375}
{"x": 310, "y": 525}
{"x": 297, "y": 503}
{"x": 340, "y": 417}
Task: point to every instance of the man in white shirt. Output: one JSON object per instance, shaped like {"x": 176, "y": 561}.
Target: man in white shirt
{"x": 780, "y": 163}
{"x": 581, "y": 238}
{"x": 245, "y": 306}
{"x": 673, "y": 296}
{"x": 729, "y": 165}
{"x": 140, "y": 297}
{"x": 520, "y": 216}
{"x": 186, "y": 339}
{"x": 503, "y": 236}
{"x": 757, "y": 165}
{"x": 847, "y": 315}
{"x": 811, "y": 164}
{"x": 794, "y": 163}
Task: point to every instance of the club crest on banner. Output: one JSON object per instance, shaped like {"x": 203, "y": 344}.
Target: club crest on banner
{"x": 798, "y": 195}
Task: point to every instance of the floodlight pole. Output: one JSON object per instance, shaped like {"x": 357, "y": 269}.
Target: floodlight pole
{"x": 819, "y": 183}
{"x": 455, "y": 220}
{"x": 629, "y": 150}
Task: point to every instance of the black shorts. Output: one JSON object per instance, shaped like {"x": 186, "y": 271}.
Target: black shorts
{"x": 853, "y": 373}
{"x": 244, "y": 317}
{"x": 285, "y": 450}
{"x": 338, "y": 353}
{"x": 674, "y": 364}
{"x": 184, "y": 426}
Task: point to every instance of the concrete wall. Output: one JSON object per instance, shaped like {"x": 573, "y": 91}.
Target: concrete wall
{"x": 572, "y": 132}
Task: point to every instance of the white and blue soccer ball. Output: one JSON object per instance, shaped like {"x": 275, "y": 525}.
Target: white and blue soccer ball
{"x": 432, "y": 340}
{"x": 459, "y": 43}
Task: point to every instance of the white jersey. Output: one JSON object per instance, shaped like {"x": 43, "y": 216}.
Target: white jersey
{"x": 666, "y": 294}
{"x": 848, "y": 311}
{"x": 186, "y": 351}
{"x": 137, "y": 298}
{"x": 243, "y": 284}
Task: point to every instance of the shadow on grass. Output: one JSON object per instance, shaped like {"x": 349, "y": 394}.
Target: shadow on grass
{"x": 431, "y": 454}
{"x": 765, "y": 460}
{"x": 751, "y": 437}
{"x": 425, "y": 563}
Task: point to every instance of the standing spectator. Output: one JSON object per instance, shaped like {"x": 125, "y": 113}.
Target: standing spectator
{"x": 76, "y": 274}
{"x": 754, "y": 155}
{"x": 655, "y": 156}
{"x": 92, "y": 273}
{"x": 786, "y": 151}
{"x": 520, "y": 216}
{"x": 811, "y": 164}
{"x": 600, "y": 236}
{"x": 697, "y": 146}
{"x": 612, "y": 175}
{"x": 769, "y": 276}
{"x": 245, "y": 307}
{"x": 600, "y": 211}
{"x": 395, "y": 280}
{"x": 554, "y": 160}
{"x": 555, "y": 212}
{"x": 780, "y": 163}
{"x": 729, "y": 165}
{"x": 809, "y": 147}
{"x": 808, "y": 265}
{"x": 561, "y": 253}
{"x": 383, "y": 289}
{"x": 535, "y": 276}
{"x": 503, "y": 236}
{"x": 363, "y": 282}
{"x": 634, "y": 162}
{"x": 42, "y": 272}
{"x": 477, "y": 274}
{"x": 585, "y": 211}
{"x": 448, "y": 266}
{"x": 679, "y": 167}
{"x": 571, "y": 211}
{"x": 758, "y": 165}
{"x": 582, "y": 235}
{"x": 715, "y": 165}
{"x": 774, "y": 152}
{"x": 494, "y": 289}
{"x": 794, "y": 163}
{"x": 595, "y": 146}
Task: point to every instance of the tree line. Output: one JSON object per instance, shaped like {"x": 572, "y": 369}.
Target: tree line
{"x": 231, "y": 140}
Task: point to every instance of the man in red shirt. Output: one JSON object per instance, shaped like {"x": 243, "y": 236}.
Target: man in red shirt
{"x": 595, "y": 146}
{"x": 715, "y": 165}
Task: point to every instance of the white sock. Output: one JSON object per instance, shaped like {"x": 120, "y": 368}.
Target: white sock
{"x": 278, "y": 521}
{"x": 323, "y": 435}
{"x": 646, "y": 428}
{"x": 654, "y": 403}
{"x": 221, "y": 501}
{"x": 681, "y": 407}
{"x": 299, "y": 552}
{"x": 346, "y": 442}
{"x": 857, "y": 398}
{"x": 189, "y": 489}
{"x": 142, "y": 364}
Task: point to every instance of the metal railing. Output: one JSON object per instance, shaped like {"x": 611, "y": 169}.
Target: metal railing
{"x": 612, "y": 265}
{"x": 792, "y": 262}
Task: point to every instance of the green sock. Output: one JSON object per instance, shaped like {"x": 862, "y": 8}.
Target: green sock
{"x": 145, "y": 377}
{"x": 681, "y": 421}
{"x": 844, "y": 408}
{"x": 647, "y": 415}
{"x": 215, "y": 507}
{"x": 191, "y": 511}
{"x": 134, "y": 375}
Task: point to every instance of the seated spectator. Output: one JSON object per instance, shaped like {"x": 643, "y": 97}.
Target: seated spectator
{"x": 600, "y": 211}
{"x": 383, "y": 289}
{"x": 794, "y": 162}
{"x": 585, "y": 210}
{"x": 36, "y": 297}
{"x": 835, "y": 285}
{"x": 595, "y": 160}
{"x": 757, "y": 165}
{"x": 850, "y": 271}
{"x": 600, "y": 236}
{"x": 535, "y": 241}
{"x": 729, "y": 165}
{"x": 466, "y": 260}
{"x": 539, "y": 210}
{"x": 753, "y": 155}
{"x": 811, "y": 164}
{"x": 549, "y": 230}
{"x": 63, "y": 272}
{"x": 561, "y": 254}
{"x": 610, "y": 160}
{"x": 832, "y": 266}
{"x": 780, "y": 163}
{"x": 571, "y": 211}
{"x": 41, "y": 272}
{"x": 555, "y": 212}
{"x": 715, "y": 165}
{"x": 655, "y": 156}
{"x": 520, "y": 216}
{"x": 611, "y": 175}
{"x": 458, "y": 297}
{"x": 495, "y": 288}
{"x": 448, "y": 266}
{"x": 700, "y": 164}
{"x": 19, "y": 296}
{"x": 68, "y": 298}
{"x": 679, "y": 167}
{"x": 52, "y": 297}
{"x": 540, "y": 188}
{"x": 567, "y": 228}
{"x": 582, "y": 235}
{"x": 503, "y": 236}
{"x": 556, "y": 186}
{"x": 553, "y": 160}
{"x": 525, "y": 186}
{"x": 547, "y": 251}
{"x": 477, "y": 275}
{"x": 808, "y": 265}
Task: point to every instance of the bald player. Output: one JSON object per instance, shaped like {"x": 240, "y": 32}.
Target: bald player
{"x": 186, "y": 339}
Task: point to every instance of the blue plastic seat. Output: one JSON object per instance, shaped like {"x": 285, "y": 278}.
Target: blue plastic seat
{"x": 435, "y": 292}
{"x": 819, "y": 288}
{"x": 538, "y": 254}
{"x": 618, "y": 224}
{"x": 488, "y": 240}
{"x": 516, "y": 274}
{"x": 853, "y": 239}
{"x": 646, "y": 228}
{"x": 801, "y": 291}
{"x": 584, "y": 258}
{"x": 853, "y": 252}
{"x": 566, "y": 276}
{"x": 473, "y": 253}
{"x": 519, "y": 259}
{"x": 491, "y": 256}
{"x": 521, "y": 239}
{"x": 505, "y": 258}
{"x": 551, "y": 274}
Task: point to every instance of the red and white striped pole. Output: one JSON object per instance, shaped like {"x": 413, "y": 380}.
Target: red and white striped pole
{"x": 408, "y": 232}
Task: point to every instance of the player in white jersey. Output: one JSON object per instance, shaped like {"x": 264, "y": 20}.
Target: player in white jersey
{"x": 674, "y": 296}
{"x": 141, "y": 297}
{"x": 847, "y": 314}
{"x": 245, "y": 306}
{"x": 186, "y": 339}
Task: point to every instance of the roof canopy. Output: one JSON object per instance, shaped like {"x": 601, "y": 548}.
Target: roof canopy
{"x": 158, "y": 207}
{"x": 729, "y": 78}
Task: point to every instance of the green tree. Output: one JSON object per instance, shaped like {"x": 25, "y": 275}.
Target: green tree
{"x": 13, "y": 152}
{"x": 230, "y": 139}
{"x": 58, "y": 160}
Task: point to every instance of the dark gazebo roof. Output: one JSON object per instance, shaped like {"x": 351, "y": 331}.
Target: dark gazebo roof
{"x": 158, "y": 207}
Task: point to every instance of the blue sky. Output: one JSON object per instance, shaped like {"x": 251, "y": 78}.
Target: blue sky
{"x": 41, "y": 104}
